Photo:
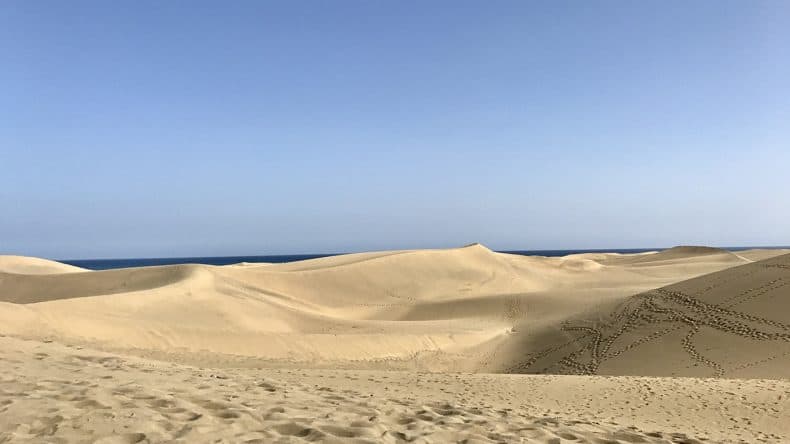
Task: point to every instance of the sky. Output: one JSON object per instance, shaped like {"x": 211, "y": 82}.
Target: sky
{"x": 158, "y": 129}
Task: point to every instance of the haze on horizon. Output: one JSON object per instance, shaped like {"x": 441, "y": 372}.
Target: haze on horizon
{"x": 144, "y": 129}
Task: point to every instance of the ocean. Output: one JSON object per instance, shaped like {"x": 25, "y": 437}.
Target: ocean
{"x": 106, "y": 264}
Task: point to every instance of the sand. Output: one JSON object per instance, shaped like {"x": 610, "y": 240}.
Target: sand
{"x": 402, "y": 346}
{"x": 53, "y": 393}
{"x": 732, "y": 323}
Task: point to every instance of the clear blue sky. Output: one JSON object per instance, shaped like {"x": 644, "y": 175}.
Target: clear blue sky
{"x": 171, "y": 128}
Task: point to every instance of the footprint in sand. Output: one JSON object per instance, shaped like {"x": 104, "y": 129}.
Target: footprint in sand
{"x": 125, "y": 438}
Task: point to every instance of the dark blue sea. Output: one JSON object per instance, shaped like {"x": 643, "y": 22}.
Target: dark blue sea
{"x": 106, "y": 264}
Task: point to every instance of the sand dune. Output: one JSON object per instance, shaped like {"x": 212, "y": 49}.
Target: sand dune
{"x": 307, "y": 351}
{"x": 34, "y": 265}
{"x": 733, "y": 323}
{"x": 758, "y": 254}
{"x": 428, "y": 309}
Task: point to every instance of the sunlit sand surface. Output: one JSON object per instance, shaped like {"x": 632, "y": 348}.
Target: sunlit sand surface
{"x": 405, "y": 346}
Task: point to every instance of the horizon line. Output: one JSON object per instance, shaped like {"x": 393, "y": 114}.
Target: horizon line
{"x": 325, "y": 254}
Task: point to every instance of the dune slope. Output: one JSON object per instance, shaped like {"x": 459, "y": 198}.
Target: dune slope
{"x": 734, "y": 323}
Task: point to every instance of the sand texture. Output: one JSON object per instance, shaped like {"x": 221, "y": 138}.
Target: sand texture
{"x": 733, "y": 323}
{"x": 402, "y": 346}
{"x": 51, "y": 393}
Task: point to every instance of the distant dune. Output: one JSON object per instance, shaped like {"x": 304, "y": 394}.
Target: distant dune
{"x": 34, "y": 265}
{"x": 305, "y": 351}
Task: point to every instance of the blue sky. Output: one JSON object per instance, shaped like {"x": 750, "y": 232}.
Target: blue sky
{"x": 179, "y": 128}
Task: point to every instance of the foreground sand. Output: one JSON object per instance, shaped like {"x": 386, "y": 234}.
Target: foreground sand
{"x": 401, "y": 347}
{"x": 52, "y": 393}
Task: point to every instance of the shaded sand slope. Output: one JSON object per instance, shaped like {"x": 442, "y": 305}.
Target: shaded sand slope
{"x": 50, "y": 393}
{"x": 32, "y": 288}
{"x": 424, "y": 309}
{"x": 733, "y": 323}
